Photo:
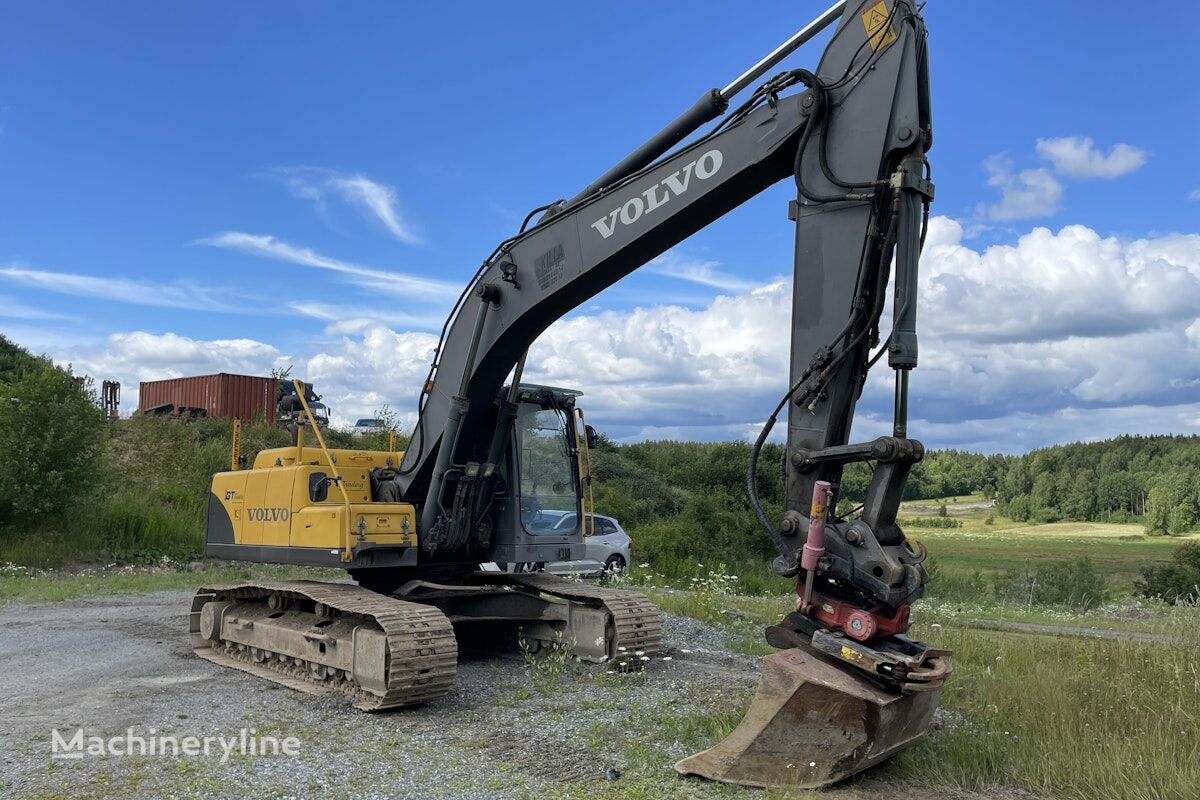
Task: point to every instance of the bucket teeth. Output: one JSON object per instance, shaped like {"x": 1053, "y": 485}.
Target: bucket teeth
{"x": 812, "y": 723}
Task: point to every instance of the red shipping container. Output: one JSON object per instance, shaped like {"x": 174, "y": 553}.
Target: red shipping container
{"x": 221, "y": 395}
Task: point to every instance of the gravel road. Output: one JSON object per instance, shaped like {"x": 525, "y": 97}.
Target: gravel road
{"x": 113, "y": 663}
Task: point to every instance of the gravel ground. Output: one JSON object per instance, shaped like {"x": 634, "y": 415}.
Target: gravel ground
{"x": 108, "y": 664}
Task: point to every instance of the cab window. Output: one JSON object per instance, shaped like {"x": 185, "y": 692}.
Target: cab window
{"x": 546, "y": 467}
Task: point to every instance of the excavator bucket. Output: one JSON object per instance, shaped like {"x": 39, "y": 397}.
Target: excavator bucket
{"x": 813, "y": 723}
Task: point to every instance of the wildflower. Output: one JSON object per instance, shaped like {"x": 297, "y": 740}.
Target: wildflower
{"x": 812, "y": 763}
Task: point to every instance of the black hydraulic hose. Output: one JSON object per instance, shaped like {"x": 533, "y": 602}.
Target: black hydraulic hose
{"x": 532, "y": 214}
{"x": 815, "y": 119}
{"x": 756, "y": 450}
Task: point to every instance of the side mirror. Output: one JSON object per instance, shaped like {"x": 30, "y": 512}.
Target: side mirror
{"x": 590, "y": 436}
{"x": 318, "y": 487}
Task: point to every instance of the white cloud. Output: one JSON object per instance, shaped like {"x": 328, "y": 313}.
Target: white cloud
{"x": 347, "y": 318}
{"x": 374, "y": 198}
{"x": 1078, "y": 157}
{"x": 676, "y": 265}
{"x": 1194, "y": 194}
{"x": 394, "y": 283}
{"x": 1051, "y": 286}
{"x": 1027, "y": 194}
{"x": 1058, "y": 336}
{"x": 14, "y": 309}
{"x": 122, "y": 290}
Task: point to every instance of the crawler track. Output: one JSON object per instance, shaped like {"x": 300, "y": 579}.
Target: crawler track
{"x": 418, "y": 663}
{"x": 637, "y": 623}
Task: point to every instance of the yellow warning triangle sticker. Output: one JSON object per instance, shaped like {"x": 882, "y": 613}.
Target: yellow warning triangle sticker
{"x": 875, "y": 20}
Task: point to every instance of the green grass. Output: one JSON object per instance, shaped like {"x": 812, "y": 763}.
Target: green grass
{"x": 124, "y": 528}
{"x": 1059, "y": 716}
{"x": 1011, "y": 548}
{"x": 1065, "y": 717}
{"x": 19, "y": 584}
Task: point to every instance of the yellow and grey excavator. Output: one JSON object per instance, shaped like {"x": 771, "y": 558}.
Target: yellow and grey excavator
{"x": 490, "y": 456}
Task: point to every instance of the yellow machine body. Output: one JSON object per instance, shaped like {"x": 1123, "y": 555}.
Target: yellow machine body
{"x": 268, "y": 513}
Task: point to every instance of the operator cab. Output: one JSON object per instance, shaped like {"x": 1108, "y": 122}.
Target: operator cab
{"x": 541, "y": 479}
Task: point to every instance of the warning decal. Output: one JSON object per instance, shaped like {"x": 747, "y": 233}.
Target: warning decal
{"x": 879, "y": 32}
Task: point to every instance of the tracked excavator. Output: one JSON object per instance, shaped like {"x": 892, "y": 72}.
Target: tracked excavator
{"x": 489, "y": 453}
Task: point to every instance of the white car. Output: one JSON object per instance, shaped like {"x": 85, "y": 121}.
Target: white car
{"x": 365, "y": 426}
{"x": 608, "y": 548}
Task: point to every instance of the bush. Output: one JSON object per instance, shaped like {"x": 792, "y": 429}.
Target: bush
{"x": 1076, "y": 584}
{"x": 1018, "y": 509}
{"x": 51, "y": 433}
{"x": 931, "y": 522}
{"x": 1178, "y": 581}
{"x": 1046, "y": 514}
{"x": 955, "y": 585}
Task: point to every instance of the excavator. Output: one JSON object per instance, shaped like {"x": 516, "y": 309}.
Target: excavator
{"x": 489, "y": 454}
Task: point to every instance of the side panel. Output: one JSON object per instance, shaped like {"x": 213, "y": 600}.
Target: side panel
{"x": 256, "y": 499}
{"x": 318, "y": 526}
{"x": 276, "y": 510}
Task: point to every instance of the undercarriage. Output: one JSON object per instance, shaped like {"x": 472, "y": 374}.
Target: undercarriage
{"x": 389, "y": 651}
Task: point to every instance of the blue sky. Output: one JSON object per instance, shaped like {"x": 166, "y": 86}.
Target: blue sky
{"x": 170, "y": 174}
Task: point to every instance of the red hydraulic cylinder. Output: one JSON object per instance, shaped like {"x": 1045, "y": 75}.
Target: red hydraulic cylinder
{"x": 814, "y": 545}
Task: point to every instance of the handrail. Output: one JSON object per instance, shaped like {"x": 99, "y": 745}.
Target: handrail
{"x": 347, "y": 552}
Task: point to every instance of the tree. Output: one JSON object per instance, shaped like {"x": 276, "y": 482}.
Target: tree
{"x": 1158, "y": 511}
{"x": 51, "y": 433}
{"x": 1112, "y": 491}
{"x": 1079, "y": 501}
{"x": 1018, "y": 509}
{"x": 1045, "y": 491}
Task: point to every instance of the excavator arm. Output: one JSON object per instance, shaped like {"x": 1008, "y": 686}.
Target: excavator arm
{"x": 853, "y": 141}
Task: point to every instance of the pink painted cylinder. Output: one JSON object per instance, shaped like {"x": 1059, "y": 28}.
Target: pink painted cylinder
{"x": 814, "y": 545}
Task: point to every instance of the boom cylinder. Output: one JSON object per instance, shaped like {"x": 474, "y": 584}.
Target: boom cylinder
{"x": 711, "y": 105}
